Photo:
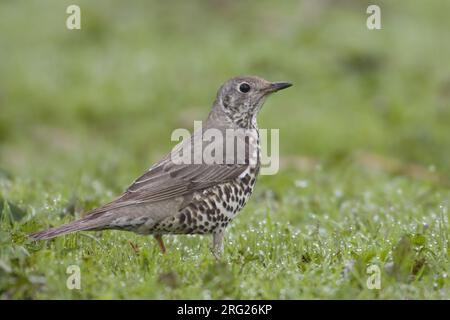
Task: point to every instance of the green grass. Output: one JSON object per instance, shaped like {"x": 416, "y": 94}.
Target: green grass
{"x": 364, "y": 144}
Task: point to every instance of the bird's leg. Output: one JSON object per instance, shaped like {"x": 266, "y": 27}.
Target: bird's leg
{"x": 134, "y": 247}
{"x": 217, "y": 243}
{"x": 161, "y": 243}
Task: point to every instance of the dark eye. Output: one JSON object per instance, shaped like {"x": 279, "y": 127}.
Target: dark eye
{"x": 244, "y": 87}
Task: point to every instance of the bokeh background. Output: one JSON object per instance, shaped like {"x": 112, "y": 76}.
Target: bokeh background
{"x": 83, "y": 112}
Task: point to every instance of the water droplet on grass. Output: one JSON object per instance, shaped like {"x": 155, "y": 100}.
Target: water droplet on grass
{"x": 301, "y": 183}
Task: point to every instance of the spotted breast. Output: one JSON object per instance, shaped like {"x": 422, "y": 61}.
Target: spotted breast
{"x": 210, "y": 210}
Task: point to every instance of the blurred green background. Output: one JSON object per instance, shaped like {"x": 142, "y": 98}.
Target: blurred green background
{"x": 83, "y": 112}
{"x": 116, "y": 89}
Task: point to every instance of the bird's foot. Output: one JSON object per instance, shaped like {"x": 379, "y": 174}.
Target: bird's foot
{"x": 134, "y": 246}
{"x": 217, "y": 253}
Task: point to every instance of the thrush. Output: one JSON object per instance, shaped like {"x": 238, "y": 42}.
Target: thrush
{"x": 196, "y": 197}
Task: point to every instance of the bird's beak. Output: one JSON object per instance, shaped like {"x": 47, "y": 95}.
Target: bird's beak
{"x": 277, "y": 86}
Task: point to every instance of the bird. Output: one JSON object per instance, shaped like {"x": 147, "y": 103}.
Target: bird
{"x": 196, "y": 196}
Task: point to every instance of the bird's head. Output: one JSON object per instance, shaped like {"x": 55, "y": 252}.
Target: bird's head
{"x": 241, "y": 98}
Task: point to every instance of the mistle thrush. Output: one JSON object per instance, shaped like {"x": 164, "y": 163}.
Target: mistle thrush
{"x": 199, "y": 197}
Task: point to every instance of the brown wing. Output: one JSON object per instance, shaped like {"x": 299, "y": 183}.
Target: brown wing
{"x": 170, "y": 180}
{"x": 167, "y": 180}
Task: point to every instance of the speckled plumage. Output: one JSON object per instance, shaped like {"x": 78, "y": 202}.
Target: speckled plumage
{"x": 191, "y": 198}
{"x": 212, "y": 209}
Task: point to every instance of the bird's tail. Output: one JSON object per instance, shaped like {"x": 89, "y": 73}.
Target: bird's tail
{"x": 86, "y": 223}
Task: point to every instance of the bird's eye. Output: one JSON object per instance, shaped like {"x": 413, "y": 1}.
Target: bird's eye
{"x": 244, "y": 87}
